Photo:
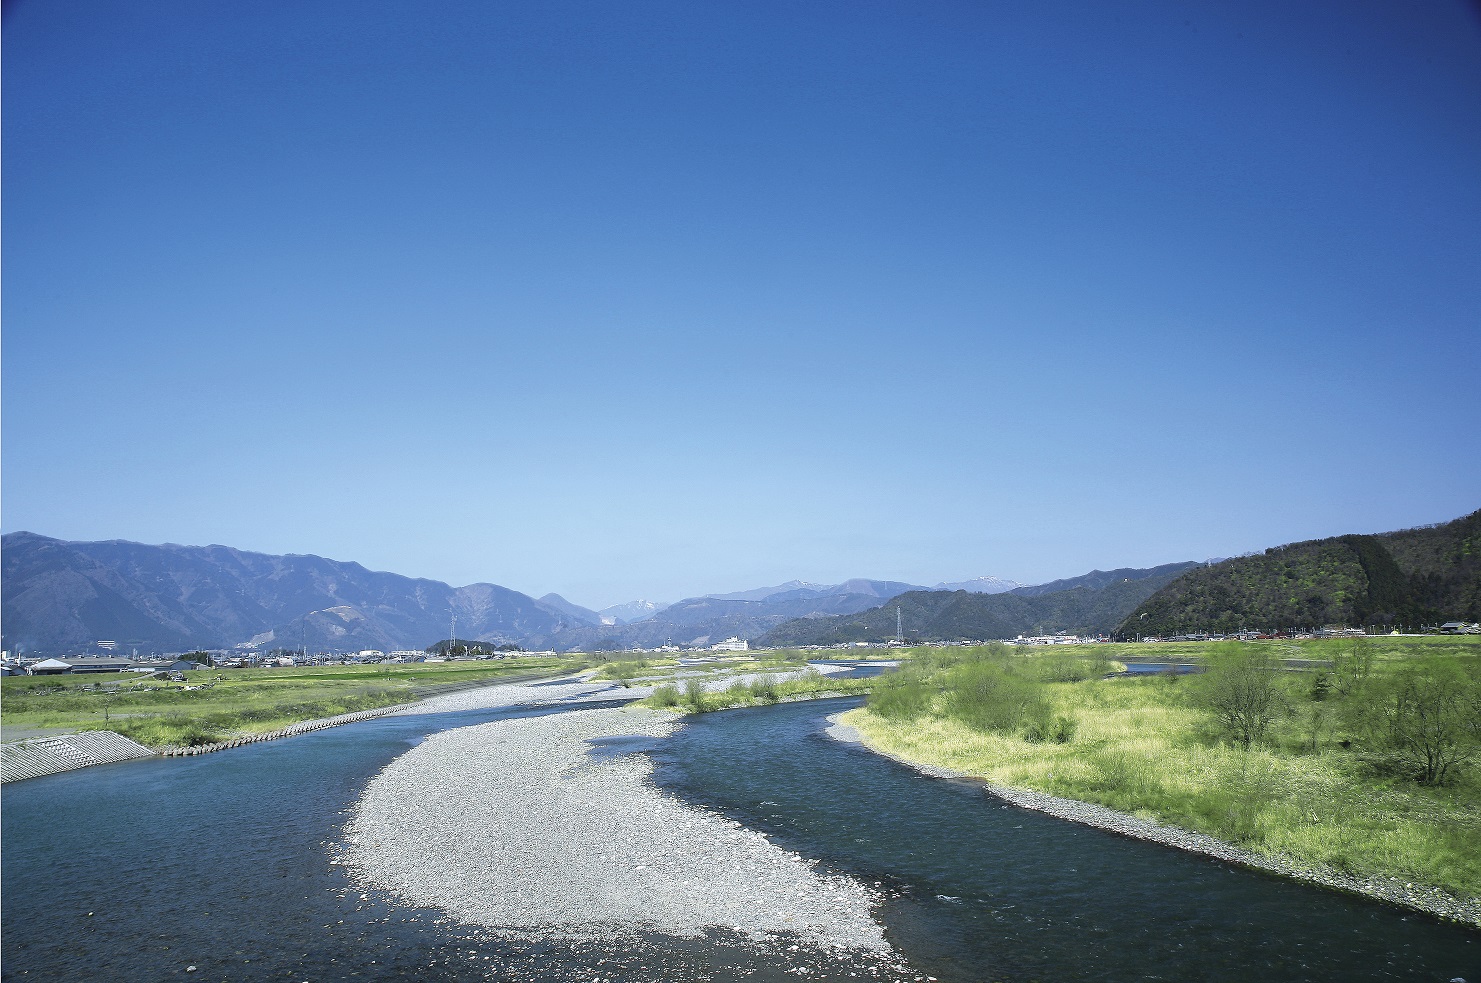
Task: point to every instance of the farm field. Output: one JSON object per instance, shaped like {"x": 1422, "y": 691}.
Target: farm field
{"x": 216, "y": 704}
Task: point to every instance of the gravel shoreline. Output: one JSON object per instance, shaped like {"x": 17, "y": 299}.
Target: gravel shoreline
{"x": 1416, "y": 897}
{"x": 514, "y": 826}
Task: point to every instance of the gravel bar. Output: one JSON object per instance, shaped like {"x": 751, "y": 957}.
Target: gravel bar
{"x": 573, "y": 689}
{"x": 511, "y": 825}
{"x": 1417, "y": 897}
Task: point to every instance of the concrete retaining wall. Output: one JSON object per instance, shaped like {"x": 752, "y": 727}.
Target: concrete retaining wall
{"x": 49, "y": 755}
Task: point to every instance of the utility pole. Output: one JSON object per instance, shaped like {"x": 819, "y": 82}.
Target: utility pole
{"x": 899, "y": 627}
{"x": 453, "y": 641}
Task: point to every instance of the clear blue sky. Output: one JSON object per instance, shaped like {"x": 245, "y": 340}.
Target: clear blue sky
{"x": 652, "y": 299}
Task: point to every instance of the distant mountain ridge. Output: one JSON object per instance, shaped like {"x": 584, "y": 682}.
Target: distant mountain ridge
{"x": 705, "y": 620}
{"x": 60, "y": 596}
{"x": 1410, "y": 577}
{"x": 744, "y": 614}
{"x": 63, "y": 597}
{"x": 801, "y": 588}
{"x": 1091, "y": 604}
{"x": 982, "y": 585}
{"x": 585, "y": 616}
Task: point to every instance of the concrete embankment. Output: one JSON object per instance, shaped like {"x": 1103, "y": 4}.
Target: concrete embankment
{"x": 1406, "y": 894}
{"x": 51, "y": 755}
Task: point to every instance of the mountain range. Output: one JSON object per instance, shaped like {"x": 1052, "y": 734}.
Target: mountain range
{"x": 64, "y": 597}
{"x": 741, "y": 614}
{"x": 1091, "y": 604}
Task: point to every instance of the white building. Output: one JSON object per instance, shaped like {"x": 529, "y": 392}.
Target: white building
{"x": 731, "y": 645}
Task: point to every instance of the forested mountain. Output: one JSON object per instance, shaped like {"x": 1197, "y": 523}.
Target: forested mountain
{"x": 1097, "y": 579}
{"x": 1096, "y": 604}
{"x": 63, "y": 597}
{"x": 1411, "y": 577}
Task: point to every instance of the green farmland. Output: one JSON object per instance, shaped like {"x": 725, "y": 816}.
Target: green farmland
{"x": 225, "y": 703}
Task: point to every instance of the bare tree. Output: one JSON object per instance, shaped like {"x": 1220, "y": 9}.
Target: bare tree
{"x": 1241, "y": 688}
{"x": 1353, "y": 668}
{"x": 1429, "y": 724}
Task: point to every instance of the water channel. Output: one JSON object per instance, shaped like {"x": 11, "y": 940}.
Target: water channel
{"x": 225, "y": 862}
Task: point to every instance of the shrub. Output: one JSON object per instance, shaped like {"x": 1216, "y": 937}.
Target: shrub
{"x": 763, "y": 689}
{"x": 624, "y": 670}
{"x": 666, "y": 695}
{"x": 1426, "y": 711}
{"x": 1061, "y": 668}
{"x": 901, "y": 695}
{"x": 196, "y": 736}
{"x": 985, "y": 696}
{"x": 694, "y": 695}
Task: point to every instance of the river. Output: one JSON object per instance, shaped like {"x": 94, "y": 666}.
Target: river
{"x": 225, "y": 862}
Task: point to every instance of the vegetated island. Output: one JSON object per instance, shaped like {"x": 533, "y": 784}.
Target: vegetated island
{"x": 1351, "y": 762}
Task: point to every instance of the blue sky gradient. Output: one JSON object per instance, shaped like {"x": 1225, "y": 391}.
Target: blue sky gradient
{"x": 655, "y": 299}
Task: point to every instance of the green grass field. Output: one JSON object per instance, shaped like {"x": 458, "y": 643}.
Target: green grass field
{"x": 236, "y": 702}
{"x": 1150, "y": 746}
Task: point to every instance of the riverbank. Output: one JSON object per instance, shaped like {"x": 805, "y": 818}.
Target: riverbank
{"x": 1431, "y": 901}
{"x": 578, "y": 847}
{"x": 719, "y": 689}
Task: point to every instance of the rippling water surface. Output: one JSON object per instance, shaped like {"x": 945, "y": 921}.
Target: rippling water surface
{"x": 980, "y": 891}
{"x": 224, "y": 862}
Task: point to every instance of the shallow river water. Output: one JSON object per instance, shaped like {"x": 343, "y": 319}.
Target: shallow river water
{"x": 224, "y": 862}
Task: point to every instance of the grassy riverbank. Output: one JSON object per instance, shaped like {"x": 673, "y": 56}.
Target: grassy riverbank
{"x": 1323, "y": 782}
{"x": 223, "y": 703}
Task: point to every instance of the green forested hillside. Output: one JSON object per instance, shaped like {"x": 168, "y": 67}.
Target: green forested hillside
{"x": 948, "y": 615}
{"x": 1412, "y": 577}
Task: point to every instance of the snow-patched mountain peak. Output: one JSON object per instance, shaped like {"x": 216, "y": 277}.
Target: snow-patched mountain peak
{"x": 631, "y": 611}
